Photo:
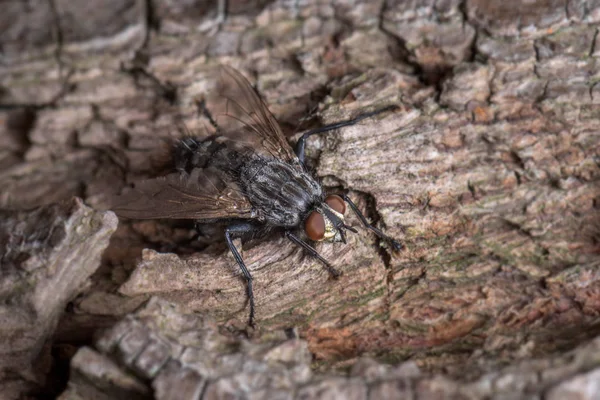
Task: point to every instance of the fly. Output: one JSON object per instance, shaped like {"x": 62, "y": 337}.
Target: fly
{"x": 248, "y": 176}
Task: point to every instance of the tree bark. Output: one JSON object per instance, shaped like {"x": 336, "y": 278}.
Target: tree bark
{"x": 488, "y": 172}
{"x": 47, "y": 257}
{"x": 171, "y": 353}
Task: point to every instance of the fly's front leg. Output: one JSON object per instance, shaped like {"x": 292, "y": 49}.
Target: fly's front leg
{"x": 301, "y": 143}
{"x": 397, "y": 246}
{"x": 312, "y": 252}
{"x": 235, "y": 231}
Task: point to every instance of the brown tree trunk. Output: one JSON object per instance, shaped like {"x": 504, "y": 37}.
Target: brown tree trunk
{"x": 488, "y": 173}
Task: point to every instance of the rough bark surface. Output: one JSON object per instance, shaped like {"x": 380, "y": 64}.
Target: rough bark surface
{"x": 488, "y": 173}
{"x": 47, "y": 256}
{"x": 171, "y": 353}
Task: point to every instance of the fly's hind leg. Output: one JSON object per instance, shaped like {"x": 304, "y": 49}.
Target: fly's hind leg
{"x": 301, "y": 143}
{"x": 242, "y": 230}
{"x": 203, "y": 110}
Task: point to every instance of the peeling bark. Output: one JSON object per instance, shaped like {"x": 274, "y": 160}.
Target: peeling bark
{"x": 488, "y": 173}
{"x": 47, "y": 255}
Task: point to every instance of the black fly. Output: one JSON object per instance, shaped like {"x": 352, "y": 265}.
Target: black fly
{"x": 249, "y": 176}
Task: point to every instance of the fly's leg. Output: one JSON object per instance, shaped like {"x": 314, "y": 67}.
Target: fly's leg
{"x": 301, "y": 143}
{"x": 312, "y": 252}
{"x": 165, "y": 89}
{"x": 235, "y": 231}
{"x": 397, "y": 246}
{"x": 203, "y": 110}
{"x": 213, "y": 27}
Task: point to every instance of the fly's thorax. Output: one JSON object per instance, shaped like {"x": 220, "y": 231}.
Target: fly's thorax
{"x": 282, "y": 193}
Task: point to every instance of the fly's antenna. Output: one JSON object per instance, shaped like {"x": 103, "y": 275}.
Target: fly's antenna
{"x": 338, "y": 223}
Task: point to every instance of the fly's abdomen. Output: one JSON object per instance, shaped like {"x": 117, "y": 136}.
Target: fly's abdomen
{"x": 212, "y": 152}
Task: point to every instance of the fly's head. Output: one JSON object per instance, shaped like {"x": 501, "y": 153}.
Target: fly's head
{"x": 326, "y": 221}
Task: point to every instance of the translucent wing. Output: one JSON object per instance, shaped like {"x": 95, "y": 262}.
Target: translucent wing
{"x": 201, "y": 194}
{"x": 243, "y": 116}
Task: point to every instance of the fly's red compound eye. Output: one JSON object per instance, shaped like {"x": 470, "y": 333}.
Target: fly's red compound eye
{"x": 315, "y": 226}
{"x": 336, "y": 203}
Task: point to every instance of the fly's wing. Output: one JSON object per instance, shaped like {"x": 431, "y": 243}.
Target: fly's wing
{"x": 243, "y": 116}
{"x": 201, "y": 194}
